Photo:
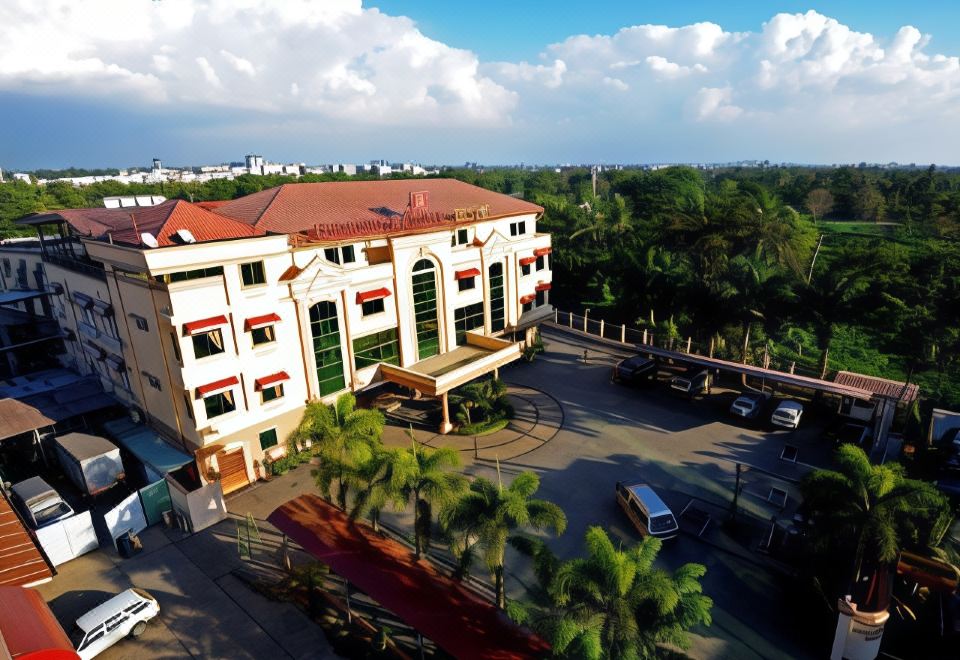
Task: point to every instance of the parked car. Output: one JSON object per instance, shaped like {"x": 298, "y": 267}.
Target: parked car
{"x": 39, "y": 503}
{"x": 787, "y": 414}
{"x": 636, "y": 370}
{"x": 126, "y": 614}
{"x": 646, "y": 510}
{"x": 694, "y": 381}
{"x": 750, "y": 405}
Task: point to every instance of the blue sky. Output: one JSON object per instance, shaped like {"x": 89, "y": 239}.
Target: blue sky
{"x": 518, "y": 29}
{"x": 111, "y": 83}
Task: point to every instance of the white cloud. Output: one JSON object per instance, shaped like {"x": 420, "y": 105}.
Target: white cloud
{"x": 300, "y": 57}
{"x": 800, "y": 80}
{"x": 715, "y": 103}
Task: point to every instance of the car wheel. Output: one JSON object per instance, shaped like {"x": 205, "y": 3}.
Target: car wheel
{"x": 138, "y": 629}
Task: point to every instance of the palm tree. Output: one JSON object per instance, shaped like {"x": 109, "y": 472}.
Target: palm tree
{"x": 344, "y": 437}
{"x": 375, "y": 484}
{"x": 421, "y": 474}
{"x": 613, "y": 603}
{"x": 872, "y": 509}
{"x": 483, "y": 396}
{"x": 487, "y": 514}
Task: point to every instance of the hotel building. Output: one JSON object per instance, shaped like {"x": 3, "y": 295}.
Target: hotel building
{"x": 218, "y": 321}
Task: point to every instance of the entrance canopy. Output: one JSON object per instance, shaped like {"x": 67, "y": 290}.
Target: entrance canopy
{"x": 439, "y": 374}
{"x": 442, "y": 609}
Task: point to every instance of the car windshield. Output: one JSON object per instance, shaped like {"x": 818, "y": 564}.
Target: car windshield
{"x": 50, "y": 511}
{"x": 662, "y": 523}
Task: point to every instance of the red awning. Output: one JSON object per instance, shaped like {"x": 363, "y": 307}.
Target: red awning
{"x": 460, "y": 622}
{"x": 217, "y": 386}
{"x": 543, "y": 286}
{"x": 466, "y": 274}
{"x": 203, "y": 325}
{"x": 528, "y": 299}
{"x": 272, "y": 379}
{"x": 376, "y": 294}
{"x": 526, "y": 261}
{"x": 539, "y": 252}
{"x": 260, "y": 322}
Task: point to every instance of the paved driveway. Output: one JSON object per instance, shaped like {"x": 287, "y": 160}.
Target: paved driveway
{"x": 683, "y": 449}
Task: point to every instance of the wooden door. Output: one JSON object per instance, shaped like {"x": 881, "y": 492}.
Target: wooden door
{"x": 233, "y": 470}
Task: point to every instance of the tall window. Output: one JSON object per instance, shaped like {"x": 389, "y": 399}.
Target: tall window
{"x": 325, "y": 329}
{"x": 425, "y": 309}
{"x": 378, "y": 347}
{"x": 467, "y": 318}
{"x": 252, "y": 273}
{"x": 207, "y": 343}
{"x": 497, "y": 320}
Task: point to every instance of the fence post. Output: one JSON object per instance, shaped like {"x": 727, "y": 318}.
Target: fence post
{"x": 792, "y": 366}
{"x": 623, "y": 333}
{"x": 601, "y": 328}
{"x": 689, "y": 339}
{"x": 556, "y": 315}
{"x": 570, "y": 318}
{"x": 585, "y": 324}
{"x": 644, "y": 335}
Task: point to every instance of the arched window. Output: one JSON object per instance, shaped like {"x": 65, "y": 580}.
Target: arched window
{"x": 325, "y": 329}
{"x": 425, "y": 308}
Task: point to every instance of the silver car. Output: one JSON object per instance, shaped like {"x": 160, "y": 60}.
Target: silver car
{"x": 39, "y": 503}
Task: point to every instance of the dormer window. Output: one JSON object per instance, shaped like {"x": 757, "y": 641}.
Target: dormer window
{"x": 340, "y": 255}
{"x": 518, "y": 228}
{"x": 460, "y": 237}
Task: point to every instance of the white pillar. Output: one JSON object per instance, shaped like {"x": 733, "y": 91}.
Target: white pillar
{"x": 623, "y": 333}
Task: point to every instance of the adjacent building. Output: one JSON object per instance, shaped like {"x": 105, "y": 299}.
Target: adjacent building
{"x": 218, "y": 321}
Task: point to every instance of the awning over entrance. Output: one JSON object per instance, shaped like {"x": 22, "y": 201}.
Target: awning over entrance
{"x": 442, "y": 609}
{"x": 441, "y": 373}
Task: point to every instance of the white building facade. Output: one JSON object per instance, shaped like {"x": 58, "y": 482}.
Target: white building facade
{"x": 222, "y": 333}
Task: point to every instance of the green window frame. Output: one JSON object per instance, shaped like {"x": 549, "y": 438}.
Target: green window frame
{"x": 426, "y": 321}
{"x": 206, "y": 344}
{"x": 219, "y": 404}
{"x": 268, "y": 439}
{"x": 252, "y": 273}
{"x": 383, "y": 346}
{"x": 467, "y": 318}
{"x": 497, "y": 304}
{"x": 325, "y": 329}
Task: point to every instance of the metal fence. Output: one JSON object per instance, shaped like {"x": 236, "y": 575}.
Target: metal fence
{"x": 766, "y": 354}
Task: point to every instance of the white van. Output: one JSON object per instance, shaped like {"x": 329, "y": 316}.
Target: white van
{"x": 646, "y": 510}
{"x": 126, "y": 614}
{"x": 39, "y": 503}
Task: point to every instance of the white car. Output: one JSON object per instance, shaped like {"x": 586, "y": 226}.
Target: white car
{"x": 749, "y": 405}
{"x": 126, "y": 614}
{"x": 787, "y": 414}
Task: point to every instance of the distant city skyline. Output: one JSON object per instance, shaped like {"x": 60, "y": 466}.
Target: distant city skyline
{"x": 107, "y": 84}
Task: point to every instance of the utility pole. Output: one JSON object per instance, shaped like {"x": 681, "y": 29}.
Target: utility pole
{"x": 814, "y": 260}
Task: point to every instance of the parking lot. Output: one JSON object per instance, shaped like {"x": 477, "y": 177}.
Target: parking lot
{"x": 686, "y": 450}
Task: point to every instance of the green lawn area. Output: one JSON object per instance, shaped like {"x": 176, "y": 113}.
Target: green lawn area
{"x": 853, "y": 227}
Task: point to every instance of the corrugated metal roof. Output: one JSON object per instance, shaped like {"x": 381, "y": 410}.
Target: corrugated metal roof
{"x": 21, "y": 562}
{"x": 354, "y": 209}
{"x": 883, "y": 387}
{"x": 17, "y": 417}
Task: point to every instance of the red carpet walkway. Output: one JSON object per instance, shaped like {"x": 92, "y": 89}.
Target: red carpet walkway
{"x": 442, "y": 609}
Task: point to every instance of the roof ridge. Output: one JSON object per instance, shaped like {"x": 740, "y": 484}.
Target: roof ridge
{"x": 266, "y": 207}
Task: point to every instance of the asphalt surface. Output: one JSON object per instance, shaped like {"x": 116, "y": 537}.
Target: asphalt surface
{"x": 684, "y": 450}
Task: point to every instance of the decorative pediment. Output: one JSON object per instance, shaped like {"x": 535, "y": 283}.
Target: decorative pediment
{"x": 318, "y": 276}
{"x": 495, "y": 242}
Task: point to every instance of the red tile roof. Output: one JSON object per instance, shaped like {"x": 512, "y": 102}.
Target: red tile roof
{"x": 124, "y": 225}
{"x": 890, "y": 389}
{"x": 20, "y": 560}
{"x": 354, "y": 209}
